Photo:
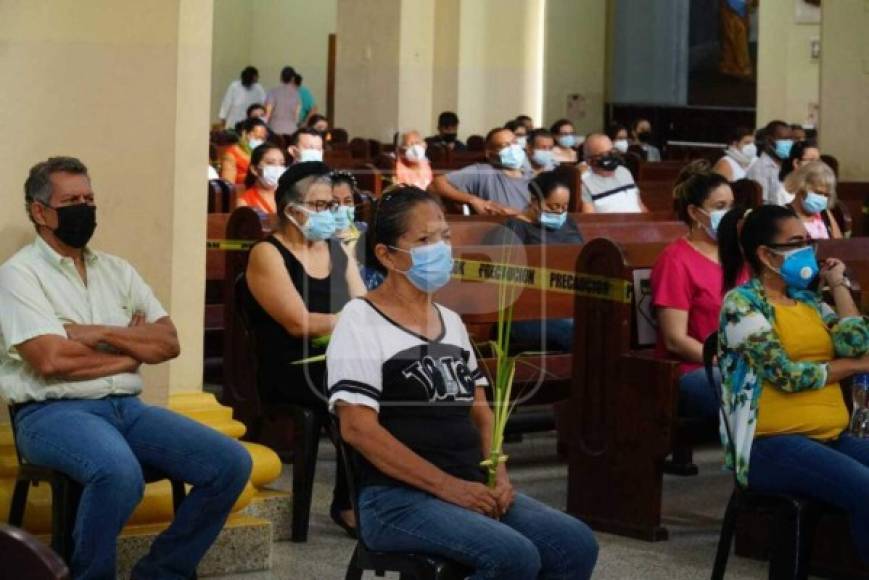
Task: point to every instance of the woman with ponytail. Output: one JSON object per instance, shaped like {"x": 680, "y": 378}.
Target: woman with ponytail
{"x": 686, "y": 284}
{"x": 782, "y": 355}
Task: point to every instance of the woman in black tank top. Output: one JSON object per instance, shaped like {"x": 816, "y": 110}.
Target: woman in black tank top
{"x": 298, "y": 280}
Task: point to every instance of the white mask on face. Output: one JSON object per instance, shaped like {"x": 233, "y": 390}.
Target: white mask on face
{"x": 749, "y": 150}
{"x": 271, "y": 174}
{"x": 306, "y": 155}
{"x": 621, "y": 145}
{"x": 415, "y": 153}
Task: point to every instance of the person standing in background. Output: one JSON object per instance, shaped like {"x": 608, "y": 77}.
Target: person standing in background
{"x": 283, "y": 104}
{"x": 308, "y": 104}
{"x": 241, "y": 94}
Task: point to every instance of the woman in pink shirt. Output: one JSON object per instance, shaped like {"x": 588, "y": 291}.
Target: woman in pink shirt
{"x": 687, "y": 284}
{"x": 411, "y": 164}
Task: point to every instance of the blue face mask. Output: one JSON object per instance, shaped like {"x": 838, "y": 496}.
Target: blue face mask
{"x": 715, "y": 218}
{"x": 320, "y": 225}
{"x": 552, "y": 220}
{"x": 432, "y": 266}
{"x": 512, "y": 156}
{"x": 783, "y": 148}
{"x": 814, "y": 202}
{"x": 543, "y": 158}
{"x": 799, "y": 268}
{"x": 344, "y": 217}
{"x": 567, "y": 141}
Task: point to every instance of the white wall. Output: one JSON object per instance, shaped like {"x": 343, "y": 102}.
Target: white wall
{"x": 270, "y": 34}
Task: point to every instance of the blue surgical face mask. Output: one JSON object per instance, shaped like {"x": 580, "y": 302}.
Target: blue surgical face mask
{"x": 344, "y": 217}
{"x": 567, "y": 141}
{"x": 521, "y": 141}
{"x": 253, "y": 143}
{"x": 432, "y": 266}
{"x": 814, "y": 202}
{"x": 715, "y": 217}
{"x": 320, "y": 225}
{"x": 783, "y": 148}
{"x": 799, "y": 268}
{"x": 512, "y": 156}
{"x": 552, "y": 220}
{"x": 543, "y": 158}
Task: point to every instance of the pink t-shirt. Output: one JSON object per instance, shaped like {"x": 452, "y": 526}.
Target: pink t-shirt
{"x": 685, "y": 279}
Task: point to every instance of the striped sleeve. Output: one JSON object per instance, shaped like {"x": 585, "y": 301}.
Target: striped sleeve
{"x": 353, "y": 363}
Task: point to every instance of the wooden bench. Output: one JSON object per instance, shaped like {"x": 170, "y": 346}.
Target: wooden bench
{"x": 855, "y": 196}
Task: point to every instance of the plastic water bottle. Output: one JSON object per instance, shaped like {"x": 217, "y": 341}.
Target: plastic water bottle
{"x": 860, "y": 416}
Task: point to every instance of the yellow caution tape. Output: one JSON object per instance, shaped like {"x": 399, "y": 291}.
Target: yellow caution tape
{"x": 544, "y": 279}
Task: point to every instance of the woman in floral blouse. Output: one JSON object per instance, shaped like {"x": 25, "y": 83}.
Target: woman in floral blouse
{"x": 782, "y": 355}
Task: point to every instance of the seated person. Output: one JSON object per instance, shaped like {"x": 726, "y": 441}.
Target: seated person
{"x": 519, "y": 130}
{"x": 298, "y": 280}
{"x": 801, "y": 153}
{"x": 539, "y": 151}
{"x": 782, "y": 354}
{"x": 741, "y": 152}
{"x": 411, "y": 164}
{"x": 686, "y": 285}
{"x": 498, "y": 187}
{"x": 320, "y": 124}
{"x": 641, "y": 135}
{"x": 546, "y": 221}
{"x": 344, "y": 194}
{"x": 77, "y": 325}
{"x": 814, "y": 189}
{"x": 267, "y": 164}
{"x": 306, "y": 144}
{"x": 448, "y": 131}
{"x": 775, "y": 146}
{"x": 236, "y": 158}
{"x": 798, "y": 132}
{"x": 618, "y": 134}
{"x": 256, "y": 111}
{"x": 526, "y": 122}
{"x": 411, "y": 400}
{"x": 607, "y": 187}
{"x": 566, "y": 141}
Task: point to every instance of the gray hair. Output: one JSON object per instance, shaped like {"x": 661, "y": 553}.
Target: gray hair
{"x": 37, "y": 187}
{"x": 296, "y": 193}
{"x": 812, "y": 174}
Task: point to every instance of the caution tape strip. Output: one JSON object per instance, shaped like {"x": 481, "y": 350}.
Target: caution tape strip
{"x": 544, "y": 279}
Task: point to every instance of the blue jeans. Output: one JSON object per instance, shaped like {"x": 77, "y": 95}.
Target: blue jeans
{"x": 696, "y": 397}
{"x": 551, "y": 334}
{"x": 532, "y": 540}
{"x": 836, "y": 472}
{"x": 104, "y": 444}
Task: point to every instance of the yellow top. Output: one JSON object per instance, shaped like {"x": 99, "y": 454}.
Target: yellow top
{"x": 820, "y": 414}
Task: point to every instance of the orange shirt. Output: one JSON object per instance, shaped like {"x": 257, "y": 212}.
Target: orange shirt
{"x": 242, "y": 162}
{"x": 254, "y": 200}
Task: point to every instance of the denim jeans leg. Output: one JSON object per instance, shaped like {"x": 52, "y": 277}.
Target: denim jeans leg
{"x": 218, "y": 468}
{"x": 827, "y": 472}
{"x": 408, "y": 520}
{"x": 81, "y": 439}
{"x": 567, "y": 546}
{"x": 696, "y": 397}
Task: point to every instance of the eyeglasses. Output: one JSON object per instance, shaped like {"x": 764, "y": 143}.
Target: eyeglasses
{"x": 320, "y": 205}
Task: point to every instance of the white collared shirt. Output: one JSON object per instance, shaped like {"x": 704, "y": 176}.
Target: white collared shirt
{"x": 40, "y": 291}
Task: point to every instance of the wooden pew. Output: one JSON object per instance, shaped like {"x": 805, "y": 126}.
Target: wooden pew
{"x": 661, "y": 170}
{"x": 855, "y": 196}
{"x": 657, "y": 195}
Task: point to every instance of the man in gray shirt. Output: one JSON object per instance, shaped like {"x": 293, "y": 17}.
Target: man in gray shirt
{"x": 776, "y": 148}
{"x": 283, "y": 104}
{"x": 497, "y": 187}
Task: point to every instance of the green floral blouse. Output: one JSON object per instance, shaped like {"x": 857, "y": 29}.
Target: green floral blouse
{"x": 751, "y": 354}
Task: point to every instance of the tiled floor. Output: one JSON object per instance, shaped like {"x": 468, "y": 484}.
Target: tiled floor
{"x": 693, "y": 508}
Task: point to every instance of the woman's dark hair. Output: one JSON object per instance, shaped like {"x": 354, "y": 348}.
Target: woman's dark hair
{"x": 556, "y": 126}
{"x": 797, "y": 151}
{"x": 249, "y": 124}
{"x": 542, "y": 186}
{"x": 314, "y": 119}
{"x": 613, "y": 129}
{"x": 296, "y": 181}
{"x": 389, "y": 219}
{"x": 254, "y": 107}
{"x": 695, "y": 183}
{"x": 513, "y": 125}
{"x": 340, "y": 176}
{"x": 742, "y": 232}
{"x": 249, "y": 76}
{"x": 256, "y": 158}
{"x": 736, "y": 134}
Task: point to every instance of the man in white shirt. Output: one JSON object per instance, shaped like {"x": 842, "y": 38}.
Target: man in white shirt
{"x": 608, "y": 187}
{"x": 776, "y": 148}
{"x": 76, "y": 326}
{"x": 241, "y": 94}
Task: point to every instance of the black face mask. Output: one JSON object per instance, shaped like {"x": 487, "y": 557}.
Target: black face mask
{"x": 608, "y": 162}
{"x": 75, "y": 224}
{"x": 448, "y": 137}
{"x": 644, "y": 136}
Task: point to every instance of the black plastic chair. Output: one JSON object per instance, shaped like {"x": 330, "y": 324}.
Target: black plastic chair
{"x": 408, "y": 565}
{"x": 24, "y": 556}
{"x": 65, "y": 496}
{"x": 794, "y": 519}
{"x": 307, "y": 426}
